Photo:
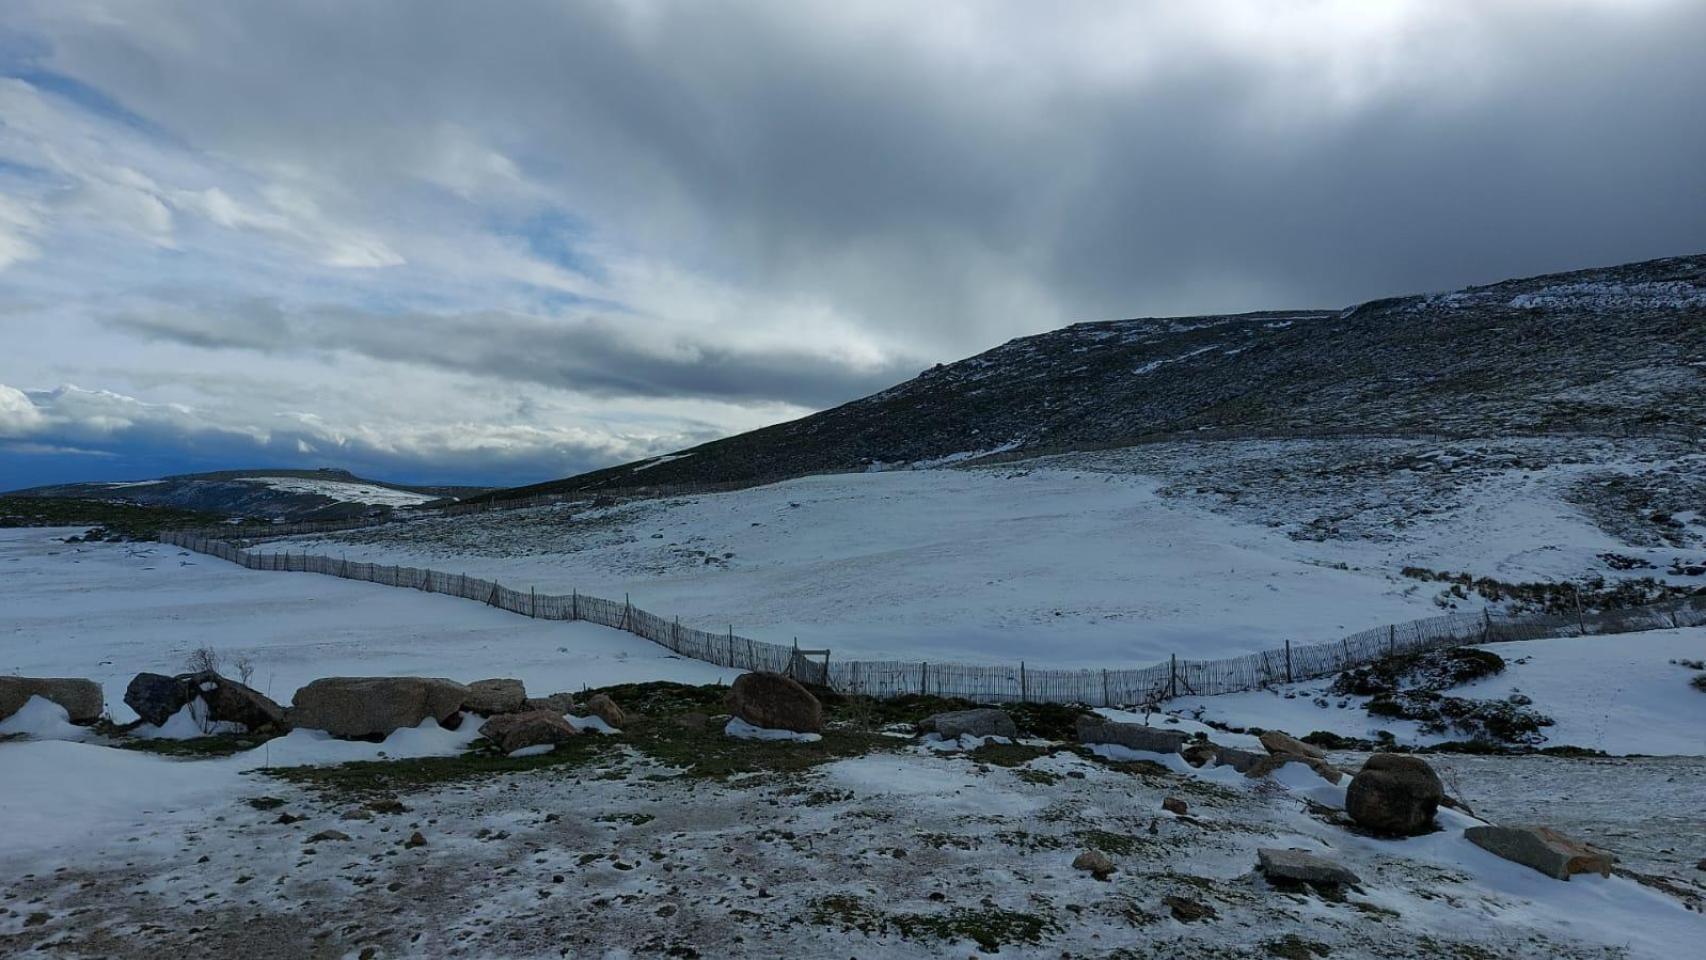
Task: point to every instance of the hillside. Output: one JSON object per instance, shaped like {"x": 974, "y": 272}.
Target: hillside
{"x": 1610, "y": 351}
{"x": 294, "y": 495}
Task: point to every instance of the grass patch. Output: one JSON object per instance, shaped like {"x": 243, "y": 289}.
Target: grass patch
{"x": 196, "y": 748}
{"x": 988, "y": 926}
{"x": 1007, "y": 754}
{"x": 710, "y": 754}
{"x": 108, "y": 520}
{"x": 366, "y": 778}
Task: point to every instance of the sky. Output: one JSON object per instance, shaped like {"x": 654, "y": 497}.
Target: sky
{"x": 499, "y": 243}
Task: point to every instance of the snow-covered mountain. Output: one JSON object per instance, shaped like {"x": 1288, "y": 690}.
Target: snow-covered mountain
{"x": 1614, "y": 351}
{"x": 261, "y": 494}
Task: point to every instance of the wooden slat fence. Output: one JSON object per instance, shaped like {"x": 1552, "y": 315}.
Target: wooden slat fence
{"x": 984, "y": 684}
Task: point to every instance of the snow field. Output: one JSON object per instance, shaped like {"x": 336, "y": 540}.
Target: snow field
{"x": 111, "y": 611}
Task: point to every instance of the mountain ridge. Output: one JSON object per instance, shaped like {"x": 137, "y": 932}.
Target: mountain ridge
{"x": 1614, "y": 350}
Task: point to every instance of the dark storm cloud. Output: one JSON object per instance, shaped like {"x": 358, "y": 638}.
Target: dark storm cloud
{"x": 796, "y": 203}
{"x": 593, "y": 357}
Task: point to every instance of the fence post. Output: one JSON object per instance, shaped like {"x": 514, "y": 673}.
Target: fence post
{"x": 576, "y": 608}
{"x": 1581, "y": 620}
{"x": 1391, "y": 639}
{"x": 533, "y": 602}
{"x": 1173, "y": 675}
{"x": 1107, "y": 701}
{"x": 1486, "y": 625}
{"x": 675, "y": 635}
{"x": 923, "y": 677}
{"x": 1024, "y": 686}
{"x": 1288, "y": 662}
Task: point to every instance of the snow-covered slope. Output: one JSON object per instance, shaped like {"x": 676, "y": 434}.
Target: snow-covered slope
{"x": 1117, "y": 558}
{"x": 110, "y": 611}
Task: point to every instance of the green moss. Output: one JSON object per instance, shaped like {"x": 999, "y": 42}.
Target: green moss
{"x": 1008, "y": 754}
{"x": 377, "y": 777}
{"x": 114, "y": 521}
{"x": 198, "y": 747}
{"x": 990, "y": 927}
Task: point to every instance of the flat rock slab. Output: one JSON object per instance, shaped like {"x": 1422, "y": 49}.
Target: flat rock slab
{"x": 1542, "y": 848}
{"x": 1301, "y": 866}
{"x": 984, "y": 722}
{"x": 1132, "y": 736}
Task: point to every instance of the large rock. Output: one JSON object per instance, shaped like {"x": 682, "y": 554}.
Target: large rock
{"x": 1132, "y": 736}
{"x": 601, "y": 706}
{"x": 775, "y": 702}
{"x": 375, "y": 706}
{"x": 156, "y": 697}
{"x": 984, "y": 722}
{"x": 1301, "y": 867}
{"x": 1277, "y": 742}
{"x": 232, "y": 702}
{"x": 514, "y": 731}
{"x": 1395, "y": 794}
{"x": 558, "y": 703}
{"x": 1542, "y": 848}
{"x": 488, "y": 697}
{"x": 82, "y": 699}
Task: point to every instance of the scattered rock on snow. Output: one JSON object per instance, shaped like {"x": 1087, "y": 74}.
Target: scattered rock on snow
{"x": 156, "y": 697}
{"x": 1542, "y": 848}
{"x": 775, "y": 702}
{"x": 82, "y": 699}
{"x": 1394, "y": 794}
{"x": 1186, "y": 910}
{"x": 1132, "y": 736}
{"x": 1242, "y": 761}
{"x": 1266, "y": 765}
{"x": 375, "y": 706}
{"x": 1279, "y": 742}
{"x": 1199, "y": 753}
{"x": 490, "y": 697}
{"x": 515, "y": 731}
{"x": 415, "y": 840}
{"x": 983, "y": 722}
{"x": 1095, "y": 863}
{"x": 604, "y": 708}
{"x": 1174, "y": 805}
{"x": 1302, "y": 867}
{"x": 326, "y": 836}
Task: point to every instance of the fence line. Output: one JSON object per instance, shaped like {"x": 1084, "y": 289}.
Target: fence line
{"x": 986, "y": 684}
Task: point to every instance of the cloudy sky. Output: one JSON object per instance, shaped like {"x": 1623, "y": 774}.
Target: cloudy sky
{"x": 502, "y": 242}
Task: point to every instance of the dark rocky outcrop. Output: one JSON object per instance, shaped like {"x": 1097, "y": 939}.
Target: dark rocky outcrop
{"x": 515, "y": 731}
{"x": 366, "y": 707}
{"x": 156, "y": 697}
{"x": 1395, "y": 794}
{"x": 775, "y": 702}
{"x": 1300, "y": 866}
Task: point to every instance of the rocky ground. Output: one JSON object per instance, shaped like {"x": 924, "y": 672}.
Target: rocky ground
{"x": 673, "y": 840}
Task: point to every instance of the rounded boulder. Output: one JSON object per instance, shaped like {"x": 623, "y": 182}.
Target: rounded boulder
{"x": 775, "y": 702}
{"x": 1395, "y": 794}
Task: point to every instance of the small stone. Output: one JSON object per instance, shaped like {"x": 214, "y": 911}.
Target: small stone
{"x": 415, "y": 840}
{"x": 287, "y": 818}
{"x": 1095, "y": 863}
{"x": 1174, "y": 805}
{"x": 387, "y": 805}
{"x": 325, "y": 836}
{"x": 1186, "y": 910}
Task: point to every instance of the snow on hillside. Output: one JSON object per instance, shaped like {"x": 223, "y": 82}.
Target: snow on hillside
{"x": 1115, "y": 558}
{"x": 344, "y": 491}
{"x": 1623, "y": 694}
{"x": 1052, "y": 567}
{"x": 110, "y": 611}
